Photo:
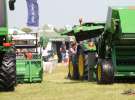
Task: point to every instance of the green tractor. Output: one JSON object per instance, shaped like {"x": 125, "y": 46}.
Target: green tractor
{"x": 82, "y": 65}
{"x": 21, "y": 60}
{"x": 7, "y": 51}
{"x": 117, "y": 46}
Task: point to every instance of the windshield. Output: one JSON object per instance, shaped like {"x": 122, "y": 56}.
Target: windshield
{"x": 2, "y": 13}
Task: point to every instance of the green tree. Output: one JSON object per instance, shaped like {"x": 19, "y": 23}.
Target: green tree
{"x": 26, "y": 29}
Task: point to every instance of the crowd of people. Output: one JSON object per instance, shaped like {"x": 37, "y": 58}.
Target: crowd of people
{"x": 66, "y": 53}
{"x": 48, "y": 57}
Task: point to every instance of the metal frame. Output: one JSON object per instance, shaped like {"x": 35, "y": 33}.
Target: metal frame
{"x": 29, "y": 70}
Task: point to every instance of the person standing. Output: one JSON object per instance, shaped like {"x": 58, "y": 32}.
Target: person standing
{"x": 73, "y": 58}
{"x": 66, "y": 60}
{"x": 73, "y": 49}
{"x": 63, "y": 51}
{"x": 47, "y": 64}
{"x": 45, "y": 54}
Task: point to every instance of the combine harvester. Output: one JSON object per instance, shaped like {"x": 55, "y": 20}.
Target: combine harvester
{"x": 117, "y": 46}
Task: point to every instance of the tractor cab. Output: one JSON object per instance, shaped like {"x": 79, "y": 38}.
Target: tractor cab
{"x": 3, "y": 15}
{"x": 3, "y": 18}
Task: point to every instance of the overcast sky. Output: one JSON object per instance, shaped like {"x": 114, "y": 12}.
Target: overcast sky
{"x": 64, "y": 12}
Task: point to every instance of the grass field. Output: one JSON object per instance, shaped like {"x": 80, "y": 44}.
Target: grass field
{"x": 56, "y": 87}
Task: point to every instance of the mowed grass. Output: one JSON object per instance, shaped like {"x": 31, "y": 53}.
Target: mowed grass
{"x": 56, "y": 87}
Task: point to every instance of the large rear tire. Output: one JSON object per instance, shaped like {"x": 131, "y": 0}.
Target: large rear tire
{"x": 73, "y": 68}
{"x": 8, "y": 71}
{"x": 81, "y": 66}
{"x": 70, "y": 67}
{"x": 105, "y": 72}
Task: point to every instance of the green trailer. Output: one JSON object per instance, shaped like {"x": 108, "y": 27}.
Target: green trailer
{"x": 117, "y": 45}
{"x": 28, "y": 70}
{"x": 82, "y": 65}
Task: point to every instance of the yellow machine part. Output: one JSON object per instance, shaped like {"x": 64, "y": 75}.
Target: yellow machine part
{"x": 71, "y": 69}
{"x": 99, "y": 71}
{"x": 81, "y": 65}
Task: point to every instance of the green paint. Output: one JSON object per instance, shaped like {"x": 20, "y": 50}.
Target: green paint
{"x": 127, "y": 17}
{"x": 119, "y": 35}
{"x": 85, "y": 31}
{"x": 3, "y": 18}
{"x": 86, "y": 47}
{"x": 4, "y": 25}
{"x": 77, "y": 29}
{"x": 29, "y": 70}
{"x": 3, "y": 31}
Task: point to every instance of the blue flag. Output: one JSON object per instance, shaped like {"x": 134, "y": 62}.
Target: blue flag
{"x": 33, "y": 13}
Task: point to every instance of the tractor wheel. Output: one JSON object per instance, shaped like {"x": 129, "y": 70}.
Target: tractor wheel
{"x": 91, "y": 63}
{"x": 86, "y": 63}
{"x": 8, "y": 71}
{"x": 105, "y": 72}
{"x": 86, "y": 66}
{"x": 71, "y": 72}
{"x": 73, "y": 68}
{"x": 81, "y": 66}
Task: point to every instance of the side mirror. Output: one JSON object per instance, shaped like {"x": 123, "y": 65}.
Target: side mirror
{"x": 11, "y": 4}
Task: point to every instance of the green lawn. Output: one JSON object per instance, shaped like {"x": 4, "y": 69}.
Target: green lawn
{"x": 56, "y": 87}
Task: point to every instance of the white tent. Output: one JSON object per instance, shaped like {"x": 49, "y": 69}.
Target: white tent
{"x": 24, "y": 37}
{"x": 15, "y": 30}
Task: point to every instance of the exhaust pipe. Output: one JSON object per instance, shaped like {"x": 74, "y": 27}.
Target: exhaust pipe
{"x": 11, "y": 4}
